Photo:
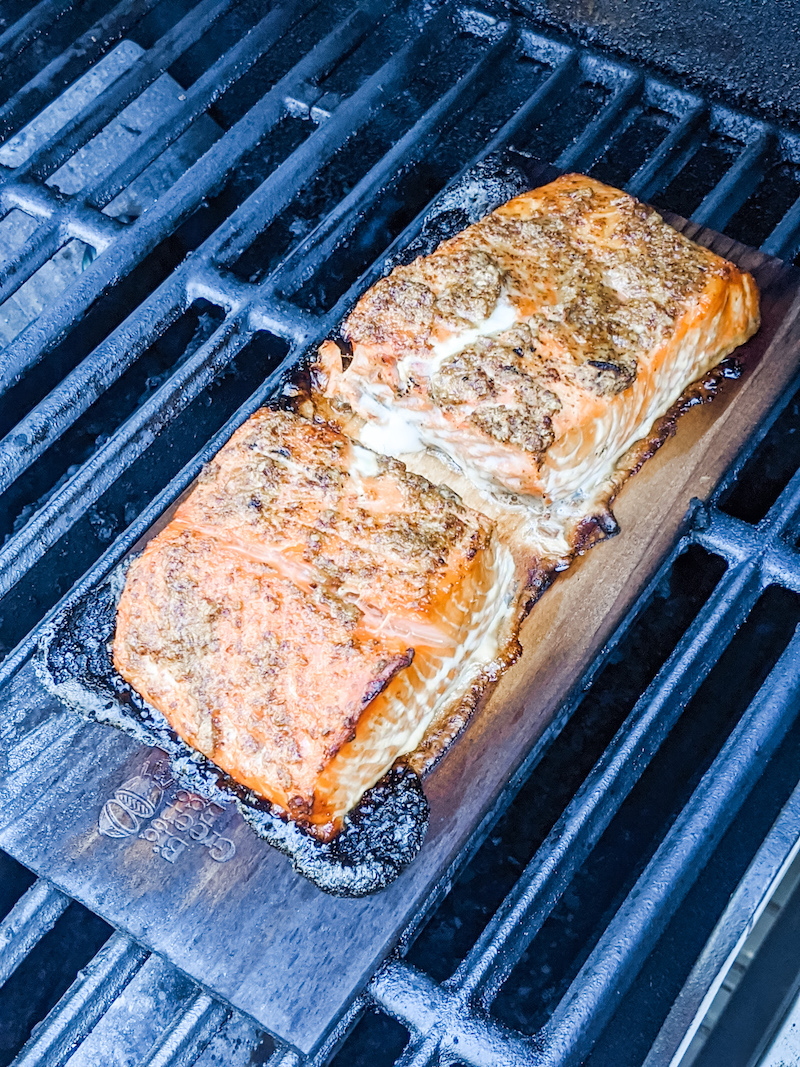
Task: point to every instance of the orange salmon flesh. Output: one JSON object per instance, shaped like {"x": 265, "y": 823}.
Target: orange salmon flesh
{"x": 536, "y": 346}
{"x": 314, "y": 605}
{"x": 270, "y": 619}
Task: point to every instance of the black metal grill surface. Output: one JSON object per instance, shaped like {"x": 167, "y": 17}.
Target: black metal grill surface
{"x": 589, "y": 924}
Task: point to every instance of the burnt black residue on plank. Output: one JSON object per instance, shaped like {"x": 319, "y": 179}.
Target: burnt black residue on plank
{"x": 380, "y": 837}
{"x": 108, "y": 818}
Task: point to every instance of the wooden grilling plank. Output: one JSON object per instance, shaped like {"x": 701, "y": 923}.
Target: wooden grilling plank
{"x": 196, "y": 885}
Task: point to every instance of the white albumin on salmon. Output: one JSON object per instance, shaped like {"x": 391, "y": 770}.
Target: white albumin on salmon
{"x": 309, "y": 611}
{"x": 534, "y": 348}
{"x": 315, "y": 609}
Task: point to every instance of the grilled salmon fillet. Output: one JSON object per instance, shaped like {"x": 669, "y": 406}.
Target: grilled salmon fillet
{"x": 314, "y": 608}
{"x": 536, "y": 346}
{"x": 307, "y": 610}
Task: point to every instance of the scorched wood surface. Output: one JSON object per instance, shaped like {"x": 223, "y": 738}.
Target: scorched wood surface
{"x": 101, "y": 817}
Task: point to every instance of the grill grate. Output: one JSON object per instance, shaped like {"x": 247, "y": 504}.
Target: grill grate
{"x": 320, "y": 150}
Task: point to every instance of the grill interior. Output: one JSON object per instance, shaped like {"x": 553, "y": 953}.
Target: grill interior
{"x": 291, "y": 151}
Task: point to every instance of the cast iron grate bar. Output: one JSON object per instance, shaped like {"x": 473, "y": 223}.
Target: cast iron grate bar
{"x": 747, "y": 904}
{"x": 587, "y": 148}
{"x": 43, "y": 16}
{"x": 784, "y": 241}
{"x": 730, "y": 193}
{"x": 26, "y": 924}
{"x": 142, "y": 236}
{"x": 73, "y": 62}
{"x": 76, "y": 219}
{"x": 228, "y": 69}
{"x": 43, "y": 243}
{"x": 84, "y": 1003}
{"x": 189, "y": 1034}
{"x": 664, "y": 165}
{"x": 96, "y": 114}
{"x": 447, "y": 1020}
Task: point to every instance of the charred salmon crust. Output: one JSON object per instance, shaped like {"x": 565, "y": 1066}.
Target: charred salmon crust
{"x": 537, "y": 346}
{"x": 304, "y": 613}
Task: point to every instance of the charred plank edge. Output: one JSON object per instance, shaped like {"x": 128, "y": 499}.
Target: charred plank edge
{"x": 510, "y": 173}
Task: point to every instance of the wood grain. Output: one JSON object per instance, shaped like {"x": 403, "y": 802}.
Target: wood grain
{"x": 228, "y": 909}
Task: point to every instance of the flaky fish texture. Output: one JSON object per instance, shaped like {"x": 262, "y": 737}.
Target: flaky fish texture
{"x": 315, "y": 610}
{"x": 305, "y": 611}
{"x": 538, "y": 345}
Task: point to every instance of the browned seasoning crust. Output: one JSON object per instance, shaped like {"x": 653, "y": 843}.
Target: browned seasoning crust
{"x": 541, "y": 334}
{"x": 285, "y": 603}
{"x": 291, "y": 587}
{"x": 230, "y": 653}
{"x": 289, "y": 482}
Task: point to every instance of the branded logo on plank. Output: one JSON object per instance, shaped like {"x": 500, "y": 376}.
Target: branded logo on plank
{"x": 133, "y": 803}
{"x": 184, "y": 820}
